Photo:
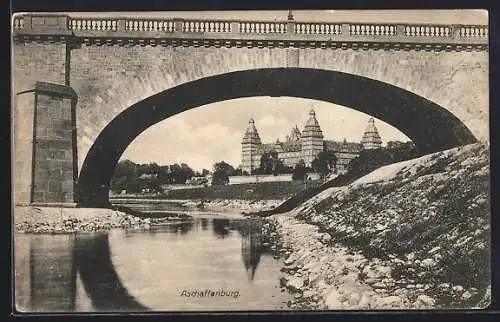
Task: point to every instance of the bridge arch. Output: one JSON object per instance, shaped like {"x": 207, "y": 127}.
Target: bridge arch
{"x": 430, "y": 126}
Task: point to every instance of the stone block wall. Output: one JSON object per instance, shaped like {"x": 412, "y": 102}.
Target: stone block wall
{"x": 54, "y": 155}
{"x": 31, "y": 62}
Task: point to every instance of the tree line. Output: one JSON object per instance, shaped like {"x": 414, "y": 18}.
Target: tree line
{"x": 137, "y": 177}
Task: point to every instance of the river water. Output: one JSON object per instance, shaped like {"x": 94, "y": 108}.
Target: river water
{"x": 210, "y": 262}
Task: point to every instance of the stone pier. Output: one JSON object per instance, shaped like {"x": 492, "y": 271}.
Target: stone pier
{"x": 54, "y": 171}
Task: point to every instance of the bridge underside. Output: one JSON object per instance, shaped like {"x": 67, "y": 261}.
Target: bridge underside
{"x": 431, "y": 127}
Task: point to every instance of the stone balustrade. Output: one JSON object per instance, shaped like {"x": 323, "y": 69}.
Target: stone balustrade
{"x": 18, "y": 23}
{"x": 263, "y": 33}
{"x": 309, "y": 28}
{"x": 473, "y": 31}
{"x": 372, "y": 30}
{"x": 202, "y": 26}
{"x": 262, "y": 27}
{"x": 101, "y": 24}
{"x": 427, "y": 31}
{"x": 149, "y": 25}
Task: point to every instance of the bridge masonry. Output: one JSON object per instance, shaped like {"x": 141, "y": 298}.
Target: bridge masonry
{"x": 113, "y": 63}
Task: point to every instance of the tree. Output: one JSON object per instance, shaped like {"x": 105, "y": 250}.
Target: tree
{"x": 299, "y": 172}
{"x": 238, "y": 172}
{"x": 270, "y": 164}
{"x": 369, "y": 160}
{"x": 125, "y": 168}
{"x": 324, "y": 163}
{"x": 128, "y": 176}
{"x": 205, "y": 172}
{"x": 125, "y": 172}
{"x": 222, "y": 171}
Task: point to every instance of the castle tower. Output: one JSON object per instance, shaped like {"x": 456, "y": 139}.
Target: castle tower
{"x": 312, "y": 139}
{"x": 249, "y": 146}
{"x": 371, "y": 139}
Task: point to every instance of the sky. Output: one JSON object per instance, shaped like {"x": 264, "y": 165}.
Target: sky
{"x": 212, "y": 133}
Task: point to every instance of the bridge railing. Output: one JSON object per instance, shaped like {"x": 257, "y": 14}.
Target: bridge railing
{"x": 158, "y": 25}
{"x": 202, "y": 26}
{"x": 473, "y": 31}
{"x": 101, "y": 24}
{"x": 318, "y": 28}
{"x": 373, "y": 29}
{"x": 415, "y": 30}
{"x": 298, "y": 29}
{"x": 18, "y": 23}
{"x": 261, "y": 27}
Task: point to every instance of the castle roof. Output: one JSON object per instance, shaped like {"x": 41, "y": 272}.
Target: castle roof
{"x": 312, "y": 128}
{"x": 251, "y": 135}
{"x": 266, "y": 147}
{"x": 291, "y": 146}
{"x": 371, "y": 135}
{"x": 344, "y": 146}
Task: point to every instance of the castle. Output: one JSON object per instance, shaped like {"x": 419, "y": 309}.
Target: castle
{"x": 305, "y": 145}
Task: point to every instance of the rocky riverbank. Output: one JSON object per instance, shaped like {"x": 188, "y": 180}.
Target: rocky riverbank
{"x": 412, "y": 235}
{"x": 71, "y": 220}
{"x": 242, "y": 206}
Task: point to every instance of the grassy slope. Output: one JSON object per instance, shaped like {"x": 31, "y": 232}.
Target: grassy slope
{"x": 429, "y": 217}
{"x": 247, "y": 191}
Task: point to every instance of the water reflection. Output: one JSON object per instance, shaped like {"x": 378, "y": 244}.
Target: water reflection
{"x": 52, "y": 274}
{"x": 98, "y": 275}
{"x": 251, "y": 246}
{"x": 57, "y": 262}
{"x": 204, "y": 224}
{"x": 221, "y": 227}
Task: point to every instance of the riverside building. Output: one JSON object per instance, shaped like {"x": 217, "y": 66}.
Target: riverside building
{"x": 305, "y": 145}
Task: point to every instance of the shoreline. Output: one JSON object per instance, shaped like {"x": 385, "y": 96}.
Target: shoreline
{"x": 60, "y": 220}
{"x": 45, "y": 220}
{"x": 326, "y": 276}
{"x": 242, "y": 206}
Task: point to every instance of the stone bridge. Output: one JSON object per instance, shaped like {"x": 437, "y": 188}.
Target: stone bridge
{"x": 83, "y": 88}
